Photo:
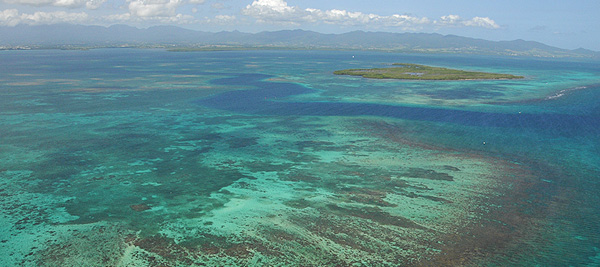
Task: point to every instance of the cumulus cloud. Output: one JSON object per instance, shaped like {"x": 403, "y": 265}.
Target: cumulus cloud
{"x": 482, "y": 22}
{"x": 128, "y": 17}
{"x": 457, "y": 21}
{"x": 263, "y": 11}
{"x": 12, "y": 17}
{"x": 221, "y": 19}
{"x": 279, "y": 12}
{"x": 118, "y": 17}
{"x": 163, "y": 11}
{"x": 153, "y": 8}
{"x": 218, "y": 6}
{"x": 276, "y": 11}
{"x": 90, "y": 4}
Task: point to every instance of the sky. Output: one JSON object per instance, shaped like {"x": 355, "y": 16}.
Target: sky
{"x": 565, "y": 24}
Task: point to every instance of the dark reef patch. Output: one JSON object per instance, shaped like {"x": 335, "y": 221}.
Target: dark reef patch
{"x": 427, "y": 174}
{"x": 376, "y": 215}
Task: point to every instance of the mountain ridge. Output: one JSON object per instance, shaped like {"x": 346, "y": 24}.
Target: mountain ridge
{"x": 83, "y": 36}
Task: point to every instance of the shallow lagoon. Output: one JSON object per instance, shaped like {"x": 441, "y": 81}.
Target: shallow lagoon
{"x": 151, "y": 158}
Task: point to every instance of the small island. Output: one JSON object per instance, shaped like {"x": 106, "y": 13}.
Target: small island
{"x": 406, "y": 71}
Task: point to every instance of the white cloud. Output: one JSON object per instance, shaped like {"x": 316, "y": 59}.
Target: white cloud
{"x": 221, "y": 19}
{"x": 118, "y": 17}
{"x": 218, "y": 6}
{"x": 128, "y": 17}
{"x": 263, "y": 11}
{"x": 482, "y": 22}
{"x": 449, "y": 20}
{"x": 457, "y": 21}
{"x": 12, "y": 17}
{"x": 90, "y": 4}
{"x": 177, "y": 19}
{"x": 163, "y": 11}
{"x": 153, "y": 8}
{"x": 279, "y": 12}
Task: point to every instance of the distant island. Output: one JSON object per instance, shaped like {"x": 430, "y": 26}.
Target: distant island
{"x": 406, "y": 71}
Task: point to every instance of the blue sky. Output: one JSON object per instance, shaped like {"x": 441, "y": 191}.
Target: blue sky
{"x": 565, "y": 24}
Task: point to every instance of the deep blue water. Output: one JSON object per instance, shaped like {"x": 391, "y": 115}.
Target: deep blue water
{"x": 263, "y": 100}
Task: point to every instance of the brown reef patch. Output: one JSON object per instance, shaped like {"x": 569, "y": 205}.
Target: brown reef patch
{"x": 139, "y": 207}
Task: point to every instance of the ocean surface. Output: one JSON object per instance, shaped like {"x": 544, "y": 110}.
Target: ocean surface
{"x": 141, "y": 157}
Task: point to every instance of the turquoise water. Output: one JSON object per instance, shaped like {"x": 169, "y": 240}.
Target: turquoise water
{"x": 125, "y": 157}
